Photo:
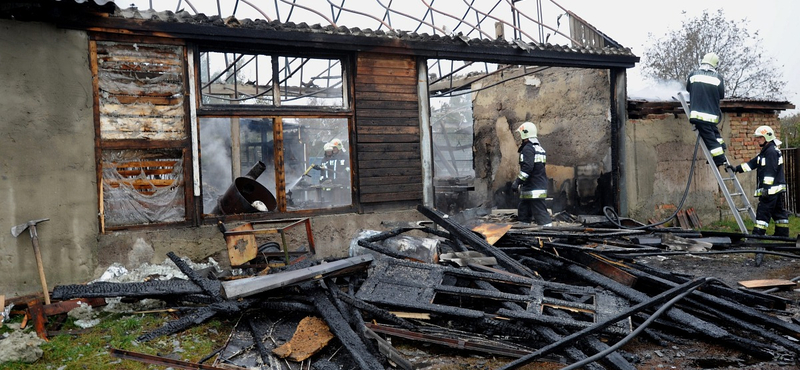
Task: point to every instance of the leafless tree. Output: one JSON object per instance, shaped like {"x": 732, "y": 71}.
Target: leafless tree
{"x": 748, "y": 72}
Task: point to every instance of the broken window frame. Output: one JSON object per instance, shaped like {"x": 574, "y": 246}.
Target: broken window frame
{"x": 278, "y": 112}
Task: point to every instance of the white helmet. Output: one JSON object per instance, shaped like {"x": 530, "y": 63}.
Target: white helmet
{"x": 526, "y": 130}
{"x": 765, "y": 132}
{"x": 711, "y": 59}
{"x": 337, "y": 143}
{"x": 327, "y": 147}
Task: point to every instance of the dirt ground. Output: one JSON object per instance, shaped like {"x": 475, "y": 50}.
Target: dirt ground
{"x": 643, "y": 354}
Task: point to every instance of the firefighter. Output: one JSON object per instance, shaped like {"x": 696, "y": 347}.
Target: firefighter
{"x": 334, "y": 173}
{"x": 771, "y": 183}
{"x": 531, "y": 183}
{"x": 706, "y": 88}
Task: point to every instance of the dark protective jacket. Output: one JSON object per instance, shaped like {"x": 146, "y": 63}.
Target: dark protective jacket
{"x": 336, "y": 169}
{"x": 706, "y": 88}
{"x": 768, "y": 165}
{"x": 532, "y": 172}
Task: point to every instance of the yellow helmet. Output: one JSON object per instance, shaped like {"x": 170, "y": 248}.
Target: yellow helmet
{"x": 526, "y": 130}
{"x": 766, "y": 132}
{"x": 711, "y": 59}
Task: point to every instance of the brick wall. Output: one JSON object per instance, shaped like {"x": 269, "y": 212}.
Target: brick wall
{"x": 741, "y": 146}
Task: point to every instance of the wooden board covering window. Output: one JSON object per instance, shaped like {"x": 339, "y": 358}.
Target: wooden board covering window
{"x": 141, "y": 111}
{"x": 387, "y": 129}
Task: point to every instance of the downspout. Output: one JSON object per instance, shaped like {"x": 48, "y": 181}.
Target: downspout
{"x": 425, "y": 136}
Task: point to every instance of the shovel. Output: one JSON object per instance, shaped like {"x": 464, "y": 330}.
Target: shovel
{"x": 31, "y": 226}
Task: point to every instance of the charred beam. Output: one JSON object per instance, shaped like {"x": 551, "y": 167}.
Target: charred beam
{"x": 210, "y": 287}
{"x": 351, "y": 341}
{"x": 148, "y": 289}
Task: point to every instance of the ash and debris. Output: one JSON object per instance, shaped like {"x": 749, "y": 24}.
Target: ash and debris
{"x": 471, "y": 312}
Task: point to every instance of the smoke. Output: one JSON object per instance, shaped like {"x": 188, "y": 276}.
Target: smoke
{"x": 659, "y": 91}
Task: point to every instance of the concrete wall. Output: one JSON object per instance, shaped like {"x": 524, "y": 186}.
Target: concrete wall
{"x": 570, "y": 107}
{"x": 47, "y": 155}
{"x": 332, "y": 236}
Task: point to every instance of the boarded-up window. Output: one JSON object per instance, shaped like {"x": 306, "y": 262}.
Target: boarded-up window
{"x": 142, "y": 132}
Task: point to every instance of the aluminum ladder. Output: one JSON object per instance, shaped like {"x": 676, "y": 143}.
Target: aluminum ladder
{"x": 725, "y": 183}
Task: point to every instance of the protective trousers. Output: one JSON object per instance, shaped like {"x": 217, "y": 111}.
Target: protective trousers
{"x": 533, "y": 209}
{"x": 772, "y": 207}
{"x": 713, "y": 140}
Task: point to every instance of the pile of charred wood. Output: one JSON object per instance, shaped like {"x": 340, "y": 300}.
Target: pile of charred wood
{"x": 574, "y": 295}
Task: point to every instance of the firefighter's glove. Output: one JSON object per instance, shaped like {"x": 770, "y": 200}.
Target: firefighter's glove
{"x": 515, "y": 185}
{"x": 731, "y": 168}
{"x": 316, "y": 167}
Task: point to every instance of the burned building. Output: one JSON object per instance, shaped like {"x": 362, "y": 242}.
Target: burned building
{"x": 134, "y": 130}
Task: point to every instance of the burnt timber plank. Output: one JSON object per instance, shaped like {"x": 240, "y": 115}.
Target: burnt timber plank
{"x": 390, "y": 130}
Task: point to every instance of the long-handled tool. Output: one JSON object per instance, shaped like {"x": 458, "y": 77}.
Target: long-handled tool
{"x": 31, "y": 226}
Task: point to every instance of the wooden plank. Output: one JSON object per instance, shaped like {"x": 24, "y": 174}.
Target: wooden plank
{"x": 392, "y": 80}
{"x": 367, "y": 181}
{"x": 391, "y": 188}
{"x": 388, "y": 104}
{"x": 767, "y": 283}
{"x": 156, "y": 128}
{"x": 389, "y": 163}
{"x": 115, "y": 83}
{"x": 387, "y": 121}
{"x": 155, "y": 100}
{"x": 368, "y": 138}
{"x": 375, "y": 60}
{"x": 388, "y": 197}
{"x": 250, "y": 286}
{"x": 386, "y": 113}
{"x": 139, "y": 110}
{"x": 362, "y": 95}
{"x": 382, "y": 70}
{"x": 387, "y": 147}
{"x": 391, "y": 171}
{"x": 377, "y": 156}
{"x": 385, "y": 89}
{"x": 390, "y": 130}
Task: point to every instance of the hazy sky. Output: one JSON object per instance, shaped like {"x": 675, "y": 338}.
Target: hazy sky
{"x": 629, "y": 22}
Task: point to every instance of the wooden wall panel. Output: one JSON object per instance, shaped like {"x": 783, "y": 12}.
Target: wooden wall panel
{"x": 387, "y": 129}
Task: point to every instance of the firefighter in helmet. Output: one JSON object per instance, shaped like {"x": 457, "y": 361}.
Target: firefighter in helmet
{"x": 771, "y": 183}
{"x": 706, "y": 88}
{"x": 531, "y": 183}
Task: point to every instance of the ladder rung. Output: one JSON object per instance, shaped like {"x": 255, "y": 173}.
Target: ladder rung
{"x": 744, "y": 209}
{"x": 732, "y": 194}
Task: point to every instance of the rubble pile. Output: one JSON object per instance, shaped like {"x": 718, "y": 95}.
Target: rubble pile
{"x": 573, "y": 295}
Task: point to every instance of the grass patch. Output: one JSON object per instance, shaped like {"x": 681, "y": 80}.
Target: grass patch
{"x": 730, "y": 225}
{"x": 89, "y": 350}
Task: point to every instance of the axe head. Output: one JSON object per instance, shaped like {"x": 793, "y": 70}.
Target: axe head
{"x": 16, "y": 230}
